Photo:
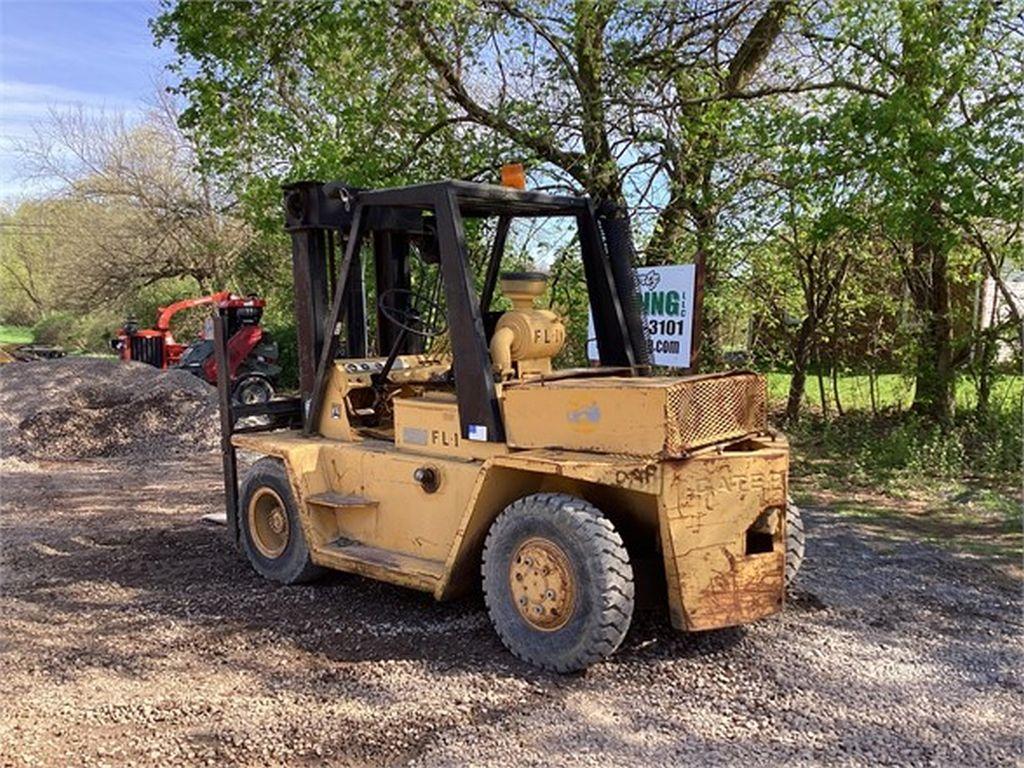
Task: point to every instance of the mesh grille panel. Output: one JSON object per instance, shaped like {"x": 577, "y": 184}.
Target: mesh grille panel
{"x": 709, "y": 410}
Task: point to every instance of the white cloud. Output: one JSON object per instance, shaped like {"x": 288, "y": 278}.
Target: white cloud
{"x": 21, "y": 50}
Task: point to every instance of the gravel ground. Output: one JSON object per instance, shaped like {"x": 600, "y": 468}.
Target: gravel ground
{"x": 132, "y": 634}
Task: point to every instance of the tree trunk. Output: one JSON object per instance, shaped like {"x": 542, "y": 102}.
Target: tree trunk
{"x": 603, "y": 180}
{"x": 821, "y": 382}
{"x": 665, "y": 245}
{"x": 835, "y": 389}
{"x": 797, "y": 384}
{"x": 935, "y": 375}
{"x": 986, "y": 359}
{"x": 707, "y": 347}
{"x": 835, "y": 365}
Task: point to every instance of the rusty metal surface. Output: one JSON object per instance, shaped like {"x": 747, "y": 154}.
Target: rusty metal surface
{"x": 702, "y": 507}
{"x": 662, "y": 417}
{"x": 381, "y": 564}
{"x": 707, "y": 505}
{"x": 268, "y": 523}
{"x": 704, "y": 410}
{"x": 626, "y": 472}
{"x": 542, "y": 584}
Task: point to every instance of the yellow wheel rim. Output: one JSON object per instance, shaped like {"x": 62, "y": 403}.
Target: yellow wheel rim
{"x": 268, "y": 523}
{"x": 542, "y": 584}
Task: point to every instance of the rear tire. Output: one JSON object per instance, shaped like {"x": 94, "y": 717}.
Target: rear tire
{"x": 795, "y": 542}
{"x": 557, "y": 582}
{"x": 269, "y": 526}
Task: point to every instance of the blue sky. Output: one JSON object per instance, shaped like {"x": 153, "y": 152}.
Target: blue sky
{"x": 58, "y": 55}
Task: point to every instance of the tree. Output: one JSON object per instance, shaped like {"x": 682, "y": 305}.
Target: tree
{"x": 821, "y": 261}
{"x": 932, "y": 119}
{"x": 29, "y": 286}
{"x": 132, "y": 210}
{"x": 630, "y": 103}
{"x": 895, "y": 130}
{"x": 277, "y": 91}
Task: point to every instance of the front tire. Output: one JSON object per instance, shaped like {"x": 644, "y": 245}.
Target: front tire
{"x": 557, "y": 582}
{"x": 269, "y": 526}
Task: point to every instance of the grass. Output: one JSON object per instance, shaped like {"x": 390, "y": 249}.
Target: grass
{"x": 957, "y": 486}
{"x": 16, "y": 334}
{"x": 893, "y": 391}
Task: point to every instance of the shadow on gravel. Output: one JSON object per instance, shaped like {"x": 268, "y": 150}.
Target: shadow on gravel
{"x": 142, "y": 537}
{"x": 887, "y": 651}
{"x": 130, "y": 557}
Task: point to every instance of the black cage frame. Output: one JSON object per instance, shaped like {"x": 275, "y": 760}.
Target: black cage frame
{"x": 325, "y": 217}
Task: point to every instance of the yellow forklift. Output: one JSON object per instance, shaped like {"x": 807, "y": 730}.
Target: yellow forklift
{"x": 449, "y": 453}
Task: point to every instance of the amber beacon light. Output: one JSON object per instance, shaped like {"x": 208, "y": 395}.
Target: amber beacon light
{"x": 513, "y": 175}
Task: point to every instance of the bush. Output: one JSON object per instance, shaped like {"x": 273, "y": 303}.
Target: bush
{"x": 90, "y": 333}
{"x": 95, "y": 332}
{"x": 146, "y": 304}
{"x": 54, "y": 328}
{"x": 288, "y": 353}
{"x": 902, "y": 446}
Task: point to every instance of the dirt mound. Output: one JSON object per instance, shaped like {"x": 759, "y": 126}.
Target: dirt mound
{"x": 89, "y": 407}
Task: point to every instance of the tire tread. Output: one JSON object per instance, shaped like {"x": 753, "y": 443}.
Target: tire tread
{"x": 796, "y": 541}
{"x": 616, "y": 590}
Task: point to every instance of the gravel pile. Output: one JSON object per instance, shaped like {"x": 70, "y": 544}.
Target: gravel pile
{"x": 135, "y": 635}
{"x": 80, "y": 408}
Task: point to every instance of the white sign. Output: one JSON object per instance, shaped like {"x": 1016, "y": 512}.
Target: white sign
{"x": 668, "y": 295}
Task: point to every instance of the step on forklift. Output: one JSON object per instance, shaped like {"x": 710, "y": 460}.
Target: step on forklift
{"x": 449, "y": 453}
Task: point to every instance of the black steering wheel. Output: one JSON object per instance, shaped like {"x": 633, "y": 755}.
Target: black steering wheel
{"x": 420, "y": 315}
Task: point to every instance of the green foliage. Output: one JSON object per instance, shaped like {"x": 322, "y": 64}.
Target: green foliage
{"x": 28, "y": 278}
{"x": 15, "y": 308}
{"x": 54, "y": 327}
{"x": 929, "y": 128}
{"x": 283, "y": 332}
{"x": 899, "y": 448}
{"x": 849, "y": 188}
{"x": 145, "y": 306}
{"x": 16, "y": 334}
{"x": 76, "y": 333}
{"x": 94, "y": 332}
{"x": 284, "y": 91}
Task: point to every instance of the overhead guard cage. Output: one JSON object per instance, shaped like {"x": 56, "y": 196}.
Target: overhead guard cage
{"x": 327, "y": 219}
